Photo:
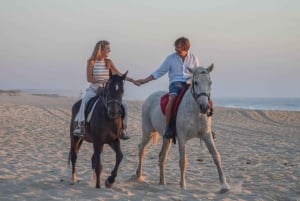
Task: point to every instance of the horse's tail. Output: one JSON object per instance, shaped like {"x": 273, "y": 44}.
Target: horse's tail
{"x": 155, "y": 136}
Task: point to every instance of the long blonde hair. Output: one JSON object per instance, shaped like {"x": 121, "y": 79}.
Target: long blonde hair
{"x": 99, "y": 47}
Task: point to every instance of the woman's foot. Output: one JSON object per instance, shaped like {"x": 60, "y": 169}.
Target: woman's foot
{"x": 79, "y": 130}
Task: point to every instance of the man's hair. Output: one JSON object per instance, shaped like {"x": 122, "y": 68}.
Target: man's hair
{"x": 184, "y": 42}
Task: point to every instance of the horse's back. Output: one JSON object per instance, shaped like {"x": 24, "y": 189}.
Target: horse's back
{"x": 152, "y": 100}
{"x": 152, "y": 116}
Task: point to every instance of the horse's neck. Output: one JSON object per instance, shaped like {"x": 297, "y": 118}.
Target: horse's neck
{"x": 189, "y": 103}
{"x": 190, "y": 115}
{"x": 100, "y": 107}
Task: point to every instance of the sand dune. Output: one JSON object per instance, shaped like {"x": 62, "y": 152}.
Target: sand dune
{"x": 260, "y": 153}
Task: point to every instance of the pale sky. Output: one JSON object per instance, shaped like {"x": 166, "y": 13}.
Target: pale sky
{"x": 254, "y": 44}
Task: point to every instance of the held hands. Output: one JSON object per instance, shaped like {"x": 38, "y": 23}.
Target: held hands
{"x": 133, "y": 81}
{"x": 142, "y": 81}
{"x": 139, "y": 82}
{"x": 136, "y": 82}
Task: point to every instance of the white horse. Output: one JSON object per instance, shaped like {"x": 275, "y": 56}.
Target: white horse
{"x": 192, "y": 122}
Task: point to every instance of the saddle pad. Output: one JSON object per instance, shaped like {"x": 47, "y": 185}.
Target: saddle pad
{"x": 89, "y": 108}
{"x": 165, "y": 98}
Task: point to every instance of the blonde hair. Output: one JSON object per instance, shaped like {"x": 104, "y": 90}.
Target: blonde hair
{"x": 99, "y": 47}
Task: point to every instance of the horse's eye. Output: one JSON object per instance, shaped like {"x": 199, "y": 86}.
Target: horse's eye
{"x": 196, "y": 83}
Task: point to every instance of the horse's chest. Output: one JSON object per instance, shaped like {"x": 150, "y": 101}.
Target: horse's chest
{"x": 192, "y": 124}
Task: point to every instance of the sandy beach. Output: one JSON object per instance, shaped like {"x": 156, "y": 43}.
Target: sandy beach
{"x": 260, "y": 153}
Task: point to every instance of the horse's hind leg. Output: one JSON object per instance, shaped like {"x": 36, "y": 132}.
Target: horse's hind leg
{"x": 162, "y": 159}
{"x": 75, "y": 146}
{"x": 119, "y": 156}
{"x": 217, "y": 159}
{"x": 142, "y": 149}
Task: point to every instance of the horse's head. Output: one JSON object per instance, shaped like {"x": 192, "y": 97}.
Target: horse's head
{"x": 201, "y": 86}
{"x": 113, "y": 93}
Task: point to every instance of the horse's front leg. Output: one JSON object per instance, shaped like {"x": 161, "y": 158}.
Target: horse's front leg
{"x": 217, "y": 160}
{"x": 182, "y": 163}
{"x": 142, "y": 149}
{"x": 119, "y": 156}
{"x": 96, "y": 162}
{"x": 162, "y": 159}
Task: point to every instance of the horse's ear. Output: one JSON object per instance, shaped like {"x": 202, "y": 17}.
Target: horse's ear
{"x": 110, "y": 73}
{"x": 190, "y": 69}
{"x": 124, "y": 75}
{"x": 210, "y": 68}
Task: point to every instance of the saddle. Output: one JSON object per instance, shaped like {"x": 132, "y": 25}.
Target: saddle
{"x": 163, "y": 104}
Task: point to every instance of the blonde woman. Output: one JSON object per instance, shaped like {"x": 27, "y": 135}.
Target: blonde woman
{"x": 98, "y": 66}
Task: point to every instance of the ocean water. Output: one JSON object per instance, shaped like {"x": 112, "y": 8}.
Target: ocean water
{"x": 288, "y": 104}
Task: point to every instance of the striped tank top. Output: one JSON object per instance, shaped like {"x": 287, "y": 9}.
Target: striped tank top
{"x": 100, "y": 72}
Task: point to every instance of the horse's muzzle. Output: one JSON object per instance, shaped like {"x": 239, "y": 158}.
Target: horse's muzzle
{"x": 203, "y": 108}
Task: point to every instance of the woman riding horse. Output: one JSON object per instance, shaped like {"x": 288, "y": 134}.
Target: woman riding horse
{"x": 104, "y": 128}
{"x": 98, "y": 68}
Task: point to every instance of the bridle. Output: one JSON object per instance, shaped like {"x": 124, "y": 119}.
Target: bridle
{"x": 197, "y": 95}
{"x": 107, "y": 102}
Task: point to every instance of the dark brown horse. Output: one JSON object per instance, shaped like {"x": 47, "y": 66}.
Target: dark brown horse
{"x": 103, "y": 128}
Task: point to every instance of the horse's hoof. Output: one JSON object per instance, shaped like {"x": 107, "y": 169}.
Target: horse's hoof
{"x": 74, "y": 182}
{"x": 107, "y": 184}
{"x": 224, "y": 190}
{"x": 135, "y": 177}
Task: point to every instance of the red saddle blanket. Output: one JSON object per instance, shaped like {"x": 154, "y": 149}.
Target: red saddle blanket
{"x": 165, "y": 98}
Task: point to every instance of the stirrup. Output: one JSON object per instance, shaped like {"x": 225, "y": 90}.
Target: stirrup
{"x": 79, "y": 130}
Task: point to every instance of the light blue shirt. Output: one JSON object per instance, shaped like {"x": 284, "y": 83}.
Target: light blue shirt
{"x": 176, "y": 68}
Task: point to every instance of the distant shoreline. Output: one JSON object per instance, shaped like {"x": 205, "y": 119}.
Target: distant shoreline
{"x": 250, "y": 103}
{"x": 11, "y": 92}
{"x": 16, "y": 92}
